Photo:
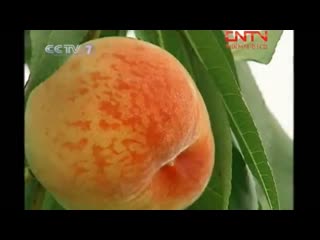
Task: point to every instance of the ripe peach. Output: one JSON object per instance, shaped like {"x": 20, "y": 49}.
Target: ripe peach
{"x": 121, "y": 128}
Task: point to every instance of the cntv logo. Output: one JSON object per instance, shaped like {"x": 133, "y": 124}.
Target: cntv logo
{"x": 250, "y": 39}
{"x": 234, "y": 36}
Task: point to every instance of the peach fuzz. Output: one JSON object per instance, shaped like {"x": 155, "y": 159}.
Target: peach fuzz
{"x": 121, "y": 128}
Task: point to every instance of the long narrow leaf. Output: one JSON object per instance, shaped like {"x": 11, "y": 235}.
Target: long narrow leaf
{"x": 110, "y": 33}
{"x": 27, "y": 47}
{"x": 33, "y": 194}
{"x": 213, "y": 58}
{"x": 278, "y": 145}
{"x": 243, "y": 194}
{"x": 148, "y": 35}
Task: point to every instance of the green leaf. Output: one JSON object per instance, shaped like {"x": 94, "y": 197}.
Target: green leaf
{"x": 213, "y": 58}
{"x": 33, "y": 192}
{"x": 91, "y": 34}
{"x": 260, "y": 55}
{"x": 108, "y": 33}
{"x": 243, "y": 195}
{"x": 49, "y": 203}
{"x": 278, "y": 145}
{"x": 111, "y": 33}
{"x": 148, "y": 35}
{"x": 216, "y": 195}
{"x": 27, "y": 47}
{"x": 42, "y": 64}
{"x": 122, "y": 33}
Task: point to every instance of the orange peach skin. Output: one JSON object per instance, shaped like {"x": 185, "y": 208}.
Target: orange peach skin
{"x": 121, "y": 128}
